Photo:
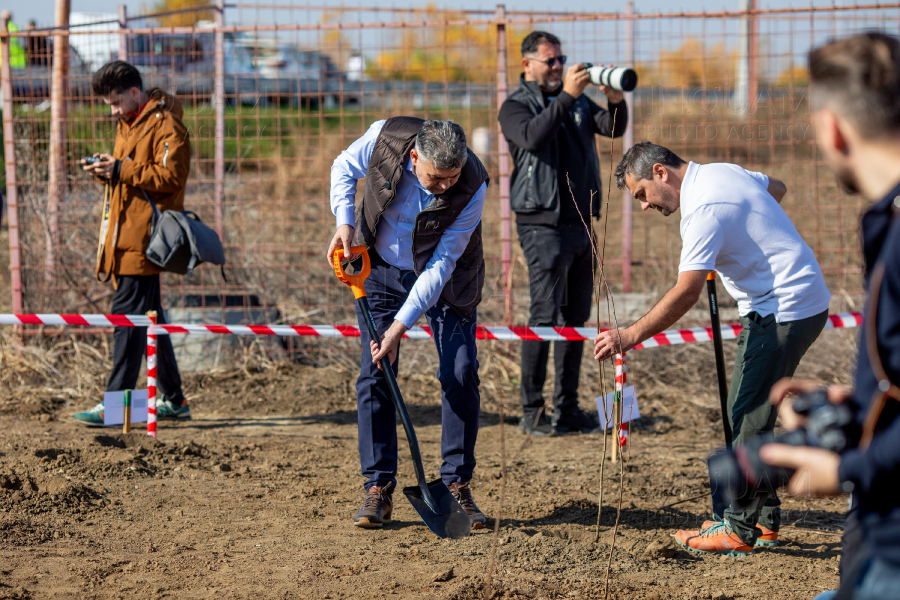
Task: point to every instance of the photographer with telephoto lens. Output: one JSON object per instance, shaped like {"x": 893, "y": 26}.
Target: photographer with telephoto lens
{"x": 855, "y": 96}
{"x": 550, "y": 125}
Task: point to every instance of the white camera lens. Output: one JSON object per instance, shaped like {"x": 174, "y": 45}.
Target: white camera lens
{"x": 618, "y": 78}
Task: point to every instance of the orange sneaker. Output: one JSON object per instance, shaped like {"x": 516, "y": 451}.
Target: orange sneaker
{"x": 718, "y": 538}
{"x": 768, "y": 538}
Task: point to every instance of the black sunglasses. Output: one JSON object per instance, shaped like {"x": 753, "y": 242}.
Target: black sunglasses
{"x": 551, "y": 62}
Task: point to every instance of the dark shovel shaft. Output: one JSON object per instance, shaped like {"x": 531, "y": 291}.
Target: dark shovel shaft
{"x": 404, "y": 415}
{"x": 719, "y": 502}
{"x": 720, "y": 357}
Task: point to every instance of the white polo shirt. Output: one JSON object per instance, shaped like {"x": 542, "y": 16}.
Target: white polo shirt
{"x": 731, "y": 224}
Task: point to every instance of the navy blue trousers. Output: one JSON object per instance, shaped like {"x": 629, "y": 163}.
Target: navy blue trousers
{"x": 387, "y": 289}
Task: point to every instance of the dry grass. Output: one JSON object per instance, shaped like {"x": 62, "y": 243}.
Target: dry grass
{"x": 56, "y": 371}
{"x": 666, "y": 377}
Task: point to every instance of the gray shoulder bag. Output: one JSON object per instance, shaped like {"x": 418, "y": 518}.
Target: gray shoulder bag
{"x": 180, "y": 241}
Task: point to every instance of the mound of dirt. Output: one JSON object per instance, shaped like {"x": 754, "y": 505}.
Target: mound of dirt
{"x": 52, "y": 494}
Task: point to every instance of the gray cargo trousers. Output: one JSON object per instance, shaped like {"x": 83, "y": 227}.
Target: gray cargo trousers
{"x": 767, "y": 351}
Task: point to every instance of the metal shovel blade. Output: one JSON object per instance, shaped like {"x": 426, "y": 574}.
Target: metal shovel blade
{"x": 452, "y": 522}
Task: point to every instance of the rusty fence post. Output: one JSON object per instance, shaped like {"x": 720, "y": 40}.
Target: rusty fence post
{"x": 56, "y": 161}
{"x": 746, "y": 84}
{"x": 123, "y": 37}
{"x": 627, "y": 142}
{"x": 753, "y": 58}
{"x": 9, "y": 141}
{"x": 219, "y": 99}
{"x": 503, "y": 164}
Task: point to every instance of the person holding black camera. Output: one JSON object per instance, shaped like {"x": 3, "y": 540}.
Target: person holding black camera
{"x": 550, "y": 126}
{"x": 150, "y": 162}
{"x": 855, "y": 97}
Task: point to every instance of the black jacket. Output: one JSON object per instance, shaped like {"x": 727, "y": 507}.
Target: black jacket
{"x": 535, "y": 134}
{"x": 875, "y": 472}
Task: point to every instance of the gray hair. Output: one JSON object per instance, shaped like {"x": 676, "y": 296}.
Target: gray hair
{"x": 639, "y": 160}
{"x": 443, "y": 144}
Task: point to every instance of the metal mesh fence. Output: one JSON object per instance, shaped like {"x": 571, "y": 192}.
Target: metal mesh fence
{"x": 296, "y": 85}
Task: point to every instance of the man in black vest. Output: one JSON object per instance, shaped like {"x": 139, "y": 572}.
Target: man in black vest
{"x": 550, "y": 126}
{"x": 420, "y": 220}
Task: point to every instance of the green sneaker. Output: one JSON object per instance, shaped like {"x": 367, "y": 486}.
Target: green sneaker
{"x": 91, "y": 418}
{"x": 166, "y": 410}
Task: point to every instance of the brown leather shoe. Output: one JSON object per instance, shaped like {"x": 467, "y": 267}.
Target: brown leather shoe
{"x": 377, "y": 507}
{"x": 463, "y": 495}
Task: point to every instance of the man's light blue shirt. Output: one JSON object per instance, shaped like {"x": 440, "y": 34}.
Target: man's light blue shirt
{"x": 393, "y": 240}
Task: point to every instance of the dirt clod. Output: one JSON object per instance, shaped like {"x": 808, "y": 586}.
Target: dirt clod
{"x": 659, "y": 549}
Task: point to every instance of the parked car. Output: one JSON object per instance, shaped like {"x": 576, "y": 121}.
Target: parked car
{"x": 31, "y": 84}
{"x": 173, "y": 52}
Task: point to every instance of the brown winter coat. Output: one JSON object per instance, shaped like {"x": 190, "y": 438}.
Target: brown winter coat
{"x": 155, "y": 157}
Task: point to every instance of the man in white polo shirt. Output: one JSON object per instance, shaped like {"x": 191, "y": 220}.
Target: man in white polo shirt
{"x": 731, "y": 223}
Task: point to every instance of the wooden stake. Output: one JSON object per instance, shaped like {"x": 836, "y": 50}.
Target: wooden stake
{"x": 617, "y": 422}
{"x": 126, "y": 425}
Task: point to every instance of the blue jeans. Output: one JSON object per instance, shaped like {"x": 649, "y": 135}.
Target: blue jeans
{"x": 878, "y": 581}
{"x": 387, "y": 289}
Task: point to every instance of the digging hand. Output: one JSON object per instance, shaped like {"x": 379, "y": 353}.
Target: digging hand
{"x": 343, "y": 238}
{"x": 390, "y": 344}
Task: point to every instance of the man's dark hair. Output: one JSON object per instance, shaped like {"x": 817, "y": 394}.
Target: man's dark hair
{"x": 639, "y": 160}
{"x": 859, "y": 78}
{"x": 117, "y": 76}
{"x": 536, "y": 38}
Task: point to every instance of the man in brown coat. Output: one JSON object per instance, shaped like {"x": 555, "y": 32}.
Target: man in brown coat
{"x": 150, "y": 163}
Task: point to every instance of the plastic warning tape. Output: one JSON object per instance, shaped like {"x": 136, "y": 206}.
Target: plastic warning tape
{"x": 621, "y": 380}
{"x": 152, "y": 359}
{"x": 484, "y": 332}
{"x": 82, "y": 320}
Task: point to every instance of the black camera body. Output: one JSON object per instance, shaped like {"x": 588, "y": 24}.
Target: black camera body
{"x": 742, "y": 474}
{"x": 91, "y": 160}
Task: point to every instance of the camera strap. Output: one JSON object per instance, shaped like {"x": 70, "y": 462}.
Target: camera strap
{"x": 886, "y": 389}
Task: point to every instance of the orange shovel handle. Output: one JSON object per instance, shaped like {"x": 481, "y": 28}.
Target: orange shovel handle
{"x": 357, "y": 280}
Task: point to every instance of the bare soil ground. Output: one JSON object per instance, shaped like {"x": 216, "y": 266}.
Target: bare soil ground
{"x": 254, "y": 498}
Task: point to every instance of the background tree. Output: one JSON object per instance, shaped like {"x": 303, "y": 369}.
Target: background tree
{"x": 692, "y": 64}
{"x": 184, "y": 19}
{"x": 451, "y": 53}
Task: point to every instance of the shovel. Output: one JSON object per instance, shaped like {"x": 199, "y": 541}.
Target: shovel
{"x": 719, "y": 501}
{"x": 440, "y": 511}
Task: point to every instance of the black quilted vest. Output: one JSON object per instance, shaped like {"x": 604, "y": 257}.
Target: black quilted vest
{"x": 397, "y": 138}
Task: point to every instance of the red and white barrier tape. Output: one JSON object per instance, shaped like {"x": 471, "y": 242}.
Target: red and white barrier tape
{"x": 151, "y": 376}
{"x": 484, "y": 332}
{"x": 621, "y": 379}
{"x": 81, "y": 320}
